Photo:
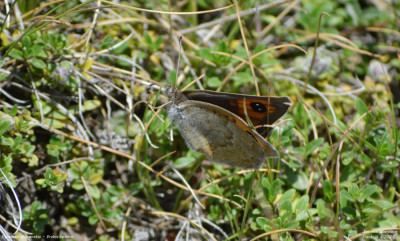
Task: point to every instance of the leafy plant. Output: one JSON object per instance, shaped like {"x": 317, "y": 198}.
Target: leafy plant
{"x": 53, "y": 180}
{"x": 84, "y": 144}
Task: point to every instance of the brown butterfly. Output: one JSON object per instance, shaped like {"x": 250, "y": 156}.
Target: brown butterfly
{"x": 214, "y": 123}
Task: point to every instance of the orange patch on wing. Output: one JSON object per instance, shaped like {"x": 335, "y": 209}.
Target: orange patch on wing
{"x": 256, "y": 117}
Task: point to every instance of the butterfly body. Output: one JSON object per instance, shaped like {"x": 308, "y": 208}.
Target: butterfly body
{"x": 215, "y": 131}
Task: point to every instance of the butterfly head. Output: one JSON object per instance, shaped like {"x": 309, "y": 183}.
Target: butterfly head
{"x": 174, "y": 95}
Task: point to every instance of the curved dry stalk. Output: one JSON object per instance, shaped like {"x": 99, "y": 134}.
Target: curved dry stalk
{"x": 216, "y": 227}
{"x": 283, "y": 231}
{"x": 350, "y": 93}
{"x": 127, "y": 7}
{"x": 17, "y": 221}
{"x": 39, "y": 9}
{"x": 124, "y": 223}
{"x": 93, "y": 204}
{"x": 92, "y": 26}
{"x": 194, "y": 224}
{"x": 14, "y": 99}
{"x": 109, "y": 49}
{"x": 145, "y": 128}
{"x": 314, "y": 54}
{"x": 233, "y": 16}
{"x": 277, "y": 19}
{"x": 150, "y": 82}
{"x": 383, "y": 30}
{"x": 310, "y": 89}
{"x": 246, "y": 47}
{"x": 80, "y": 111}
{"x": 336, "y": 39}
{"x": 188, "y": 186}
{"x": 245, "y": 61}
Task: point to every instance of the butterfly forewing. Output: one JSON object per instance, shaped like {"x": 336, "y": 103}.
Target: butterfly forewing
{"x": 261, "y": 110}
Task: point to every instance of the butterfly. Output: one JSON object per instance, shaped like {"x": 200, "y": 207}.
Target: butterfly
{"x": 215, "y": 124}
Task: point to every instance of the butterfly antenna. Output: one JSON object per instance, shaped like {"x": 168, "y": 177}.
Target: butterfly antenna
{"x": 171, "y": 134}
{"x": 179, "y": 59}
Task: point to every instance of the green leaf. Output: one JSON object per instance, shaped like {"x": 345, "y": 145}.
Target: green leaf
{"x": 13, "y": 111}
{"x": 91, "y": 105}
{"x": 345, "y": 196}
{"x": 344, "y": 225}
{"x": 323, "y": 211}
{"x": 271, "y": 190}
{"x": 306, "y": 214}
{"x": 16, "y": 54}
{"x": 331, "y": 233}
{"x": 313, "y": 145}
{"x": 49, "y": 174}
{"x": 7, "y": 141}
{"x": 361, "y": 107}
{"x": 38, "y": 63}
{"x": 264, "y": 223}
{"x": 135, "y": 188}
{"x": 242, "y": 78}
{"x": 57, "y": 188}
{"x": 285, "y": 210}
{"x": 206, "y": 54}
{"x": 43, "y": 106}
{"x": 384, "y": 204}
{"x": 4, "y": 125}
{"x": 347, "y": 157}
{"x": 366, "y": 159}
{"x": 158, "y": 42}
{"x": 93, "y": 220}
{"x": 302, "y": 203}
{"x": 7, "y": 160}
{"x": 184, "y": 161}
{"x": 36, "y": 51}
{"x": 291, "y": 224}
{"x": 213, "y": 82}
{"x": 26, "y": 42}
{"x": 40, "y": 181}
{"x": 52, "y": 150}
{"x": 287, "y": 196}
{"x": 78, "y": 185}
{"x": 38, "y": 226}
{"x": 58, "y": 115}
{"x": 349, "y": 211}
{"x": 95, "y": 178}
{"x": 368, "y": 190}
{"x": 148, "y": 40}
{"x": 94, "y": 191}
{"x": 328, "y": 190}
{"x": 3, "y": 76}
{"x": 56, "y": 124}
{"x": 389, "y": 165}
{"x": 370, "y": 208}
{"x": 383, "y": 144}
{"x": 298, "y": 180}
{"x": 301, "y": 181}
{"x": 354, "y": 190}
{"x": 36, "y": 205}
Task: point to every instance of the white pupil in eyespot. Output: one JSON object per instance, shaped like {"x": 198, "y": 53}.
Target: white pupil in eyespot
{"x": 258, "y": 107}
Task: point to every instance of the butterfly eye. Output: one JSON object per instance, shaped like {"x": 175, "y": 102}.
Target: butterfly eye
{"x": 258, "y": 107}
